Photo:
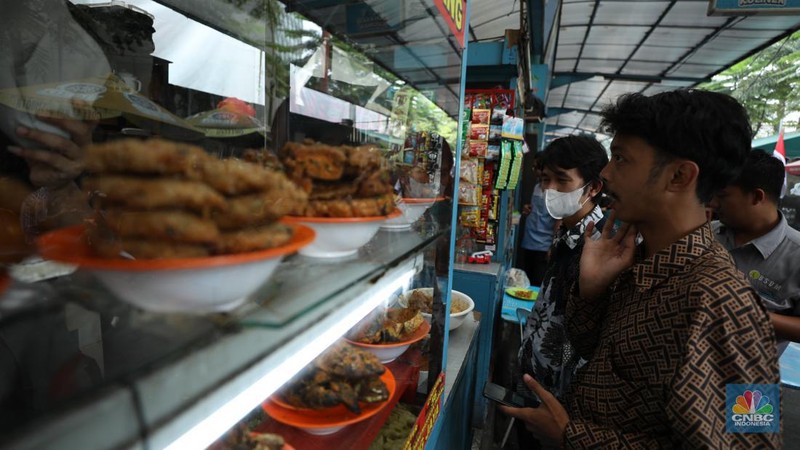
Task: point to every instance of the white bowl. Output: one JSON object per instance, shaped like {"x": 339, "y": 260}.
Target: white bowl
{"x": 194, "y": 285}
{"x": 455, "y": 319}
{"x": 411, "y": 210}
{"x": 339, "y": 237}
{"x": 322, "y": 431}
{"x": 389, "y": 352}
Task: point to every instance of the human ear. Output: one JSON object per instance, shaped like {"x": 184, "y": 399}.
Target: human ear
{"x": 758, "y": 196}
{"x": 684, "y": 176}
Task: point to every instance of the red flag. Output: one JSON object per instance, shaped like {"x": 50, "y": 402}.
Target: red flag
{"x": 780, "y": 151}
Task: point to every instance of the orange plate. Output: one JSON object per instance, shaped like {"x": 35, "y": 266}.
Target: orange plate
{"x": 301, "y": 219}
{"x": 417, "y": 335}
{"x": 412, "y": 201}
{"x": 69, "y": 245}
{"x": 335, "y": 416}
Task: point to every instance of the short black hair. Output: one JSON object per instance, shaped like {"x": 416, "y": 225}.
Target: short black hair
{"x": 581, "y": 152}
{"x": 762, "y": 171}
{"x": 709, "y": 128}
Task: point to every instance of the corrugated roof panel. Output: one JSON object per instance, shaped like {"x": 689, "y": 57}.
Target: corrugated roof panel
{"x": 659, "y": 53}
{"x": 677, "y": 37}
{"x": 600, "y": 65}
{"x": 564, "y": 65}
{"x": 609, "y": 35}
{"x": 692, "y": 14}
{"x": 580, "y": 102}
{"x": 571, "y": 35}
{"x": 629, "y": 13}
{"x": 714, "y": 56}
{"x": 694, "y": 70}
{"x": 590, "y": 122}
{"x": 574, "y": 13}
{"x": 645, "y": 67}
{"x": 775, "y": 23}
{"x": 607, "y": 51}
{"x": 594, "y": 86}
{"x": 619, "y": 87}
{"x": 568, "y": 51}
{"x": 571, "y": 119}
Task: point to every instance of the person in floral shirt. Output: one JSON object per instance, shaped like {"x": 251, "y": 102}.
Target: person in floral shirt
{"x": 571, "y": 183}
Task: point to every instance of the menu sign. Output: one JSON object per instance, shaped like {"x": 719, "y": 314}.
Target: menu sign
{"x": 455, "y": 14}
{"x": 751, "y": 7}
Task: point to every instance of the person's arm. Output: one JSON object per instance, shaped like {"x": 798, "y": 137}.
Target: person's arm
{"x": 602, "y": 261}
{"x": 786, "y": 327}
{"x": 730, "y": 341}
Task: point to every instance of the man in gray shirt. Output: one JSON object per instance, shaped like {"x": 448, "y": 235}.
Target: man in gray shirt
{"x": 761, "y": 242}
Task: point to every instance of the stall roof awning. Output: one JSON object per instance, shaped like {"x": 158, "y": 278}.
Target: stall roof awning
{"x": 606, "y": 48}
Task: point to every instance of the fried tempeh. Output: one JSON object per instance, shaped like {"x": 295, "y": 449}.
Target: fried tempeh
{"x": 153, "y": 156}
{"x": 262, "y": 207}
{"x": 252, "y": 239}
{"x": 171, "y": 225}
{"x": 154, "y": 193}
{"x": 235, "y": 176}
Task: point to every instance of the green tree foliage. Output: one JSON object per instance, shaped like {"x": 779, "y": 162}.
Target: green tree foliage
{"x": 765, "y": 83}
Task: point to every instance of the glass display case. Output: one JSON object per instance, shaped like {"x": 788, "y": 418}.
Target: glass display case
{"x": 228, "y": 214}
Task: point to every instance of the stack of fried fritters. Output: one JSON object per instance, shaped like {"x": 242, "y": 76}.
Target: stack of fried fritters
{"x": 162, "y": 199}
{"x": 343, "y": 374}
{"x": 341, "y": 181}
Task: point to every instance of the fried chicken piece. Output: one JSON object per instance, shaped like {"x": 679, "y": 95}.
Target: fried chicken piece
{"x": 372, "y": 390}
{"x": 168, "y": 225}
{"x": 356, "y": 207}
{"x": 255, "y": 209}
{"x": 316, "y": 160}
{"x": 153, "y": 193}
{"x": 153, "y": 156}
{"x": 252, "y": 239}
{"x": 145, "y": 249}
{"x": 349, "y": 362}
{"x": 235, "y": 177}
{"x": 421, "y": 300}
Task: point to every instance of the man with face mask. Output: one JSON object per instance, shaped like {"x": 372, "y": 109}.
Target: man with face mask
{"x": 570, "y": 179}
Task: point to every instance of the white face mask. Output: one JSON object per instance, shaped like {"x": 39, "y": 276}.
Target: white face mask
{"x": 564, "y": 204}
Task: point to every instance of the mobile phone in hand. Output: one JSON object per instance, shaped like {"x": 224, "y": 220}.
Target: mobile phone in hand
{"x": 508, "y": 397}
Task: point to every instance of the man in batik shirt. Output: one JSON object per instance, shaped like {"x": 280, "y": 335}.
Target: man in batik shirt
{"x": 666, "y": 325}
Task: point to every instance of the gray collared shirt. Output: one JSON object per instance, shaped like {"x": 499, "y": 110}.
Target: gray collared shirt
{"x": 772, "y": 265}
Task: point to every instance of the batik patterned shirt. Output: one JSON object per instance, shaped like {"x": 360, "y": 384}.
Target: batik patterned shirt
{"x": 675, "y": 329}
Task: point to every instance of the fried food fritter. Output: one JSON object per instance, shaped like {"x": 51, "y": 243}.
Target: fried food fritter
{"x": 392, "y": 326}
{"x": 153, "y": 193}
{"x": 252, "y": 239}
{"x": 153, "y": 156}
{"x": 356, "y": 207}
{"x": 364, "y": 158}
{"x": 262, "y": 207}
{"x": 314, "y": 160}
{"x": 372, "y": 184}
{"x": 263, "y": 158}
{"x": 169, "y": 225}
{"x": 322, "y": 190}
{"x": 236, "y": 177}
{"x": 372, "y": 390}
